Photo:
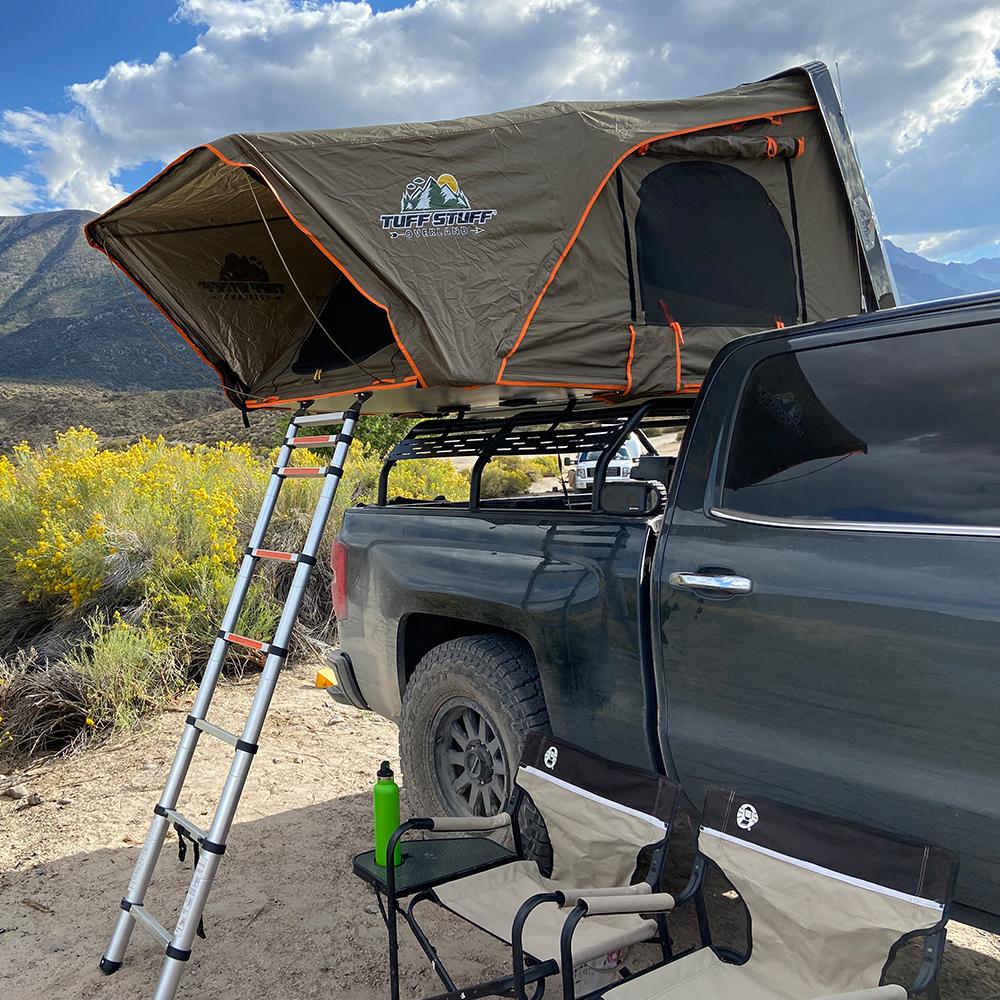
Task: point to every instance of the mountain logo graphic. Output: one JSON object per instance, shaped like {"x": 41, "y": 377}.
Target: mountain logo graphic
{"x": 435, "y": 206}
{"x": 245, "y": 278}
{"x": 430, "y": 192}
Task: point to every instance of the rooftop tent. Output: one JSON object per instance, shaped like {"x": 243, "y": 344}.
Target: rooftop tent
{"x": 590, "y": 250}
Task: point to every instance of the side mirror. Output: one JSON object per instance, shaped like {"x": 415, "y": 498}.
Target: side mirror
{"x": 568, "y": 460}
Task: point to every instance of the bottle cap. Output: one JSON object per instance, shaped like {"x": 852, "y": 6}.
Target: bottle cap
{"x": 385, "y": 771}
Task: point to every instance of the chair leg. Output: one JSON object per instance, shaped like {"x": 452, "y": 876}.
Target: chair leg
{"x": 393, "y": 908}
{"x": 429, "y": 950}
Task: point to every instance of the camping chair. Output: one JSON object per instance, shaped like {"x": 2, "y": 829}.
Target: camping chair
{"x": 599, "y": 815}
{"x": 830, "y": 904}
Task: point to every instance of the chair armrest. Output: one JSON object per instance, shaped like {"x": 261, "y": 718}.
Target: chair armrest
{"x": 876, "y": 993}
{"x": 464, "y": 824}
{"x": 571, "y": 896}
{"x": 651, "y": 902}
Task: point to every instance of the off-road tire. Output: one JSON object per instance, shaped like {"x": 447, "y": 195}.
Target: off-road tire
{"x": 498, "y": 676}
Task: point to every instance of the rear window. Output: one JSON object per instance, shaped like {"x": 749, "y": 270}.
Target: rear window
{"x": 897, "y": 431}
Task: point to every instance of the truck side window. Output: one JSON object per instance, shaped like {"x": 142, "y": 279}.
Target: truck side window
{"x": 903, "y": 430}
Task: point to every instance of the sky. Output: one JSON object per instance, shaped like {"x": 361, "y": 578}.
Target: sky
{"x": 95, "y": 95}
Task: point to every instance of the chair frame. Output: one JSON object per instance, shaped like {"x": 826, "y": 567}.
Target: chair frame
{"x": 925, "y": 981}
{"x": 527, "y": 970}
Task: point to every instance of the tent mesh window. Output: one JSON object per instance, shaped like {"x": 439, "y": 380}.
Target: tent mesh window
{"x": 350, "y": 329}
{"x": 712, "y": 249}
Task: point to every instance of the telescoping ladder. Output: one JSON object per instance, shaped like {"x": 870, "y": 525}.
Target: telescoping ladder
{"x": 210, "y": 844}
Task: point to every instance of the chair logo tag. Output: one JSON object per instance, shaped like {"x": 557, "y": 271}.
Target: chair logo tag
{"x": 746, "y": 817}
{"x": 551, "y": 756}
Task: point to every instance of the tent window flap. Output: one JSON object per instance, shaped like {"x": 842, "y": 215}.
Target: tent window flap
{"x": 712, "y": 249}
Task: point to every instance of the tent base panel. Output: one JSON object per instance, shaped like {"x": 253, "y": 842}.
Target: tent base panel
{"x": 415, "y": 401}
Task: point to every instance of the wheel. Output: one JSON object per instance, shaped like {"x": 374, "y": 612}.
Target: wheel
{"x": 466, "y": 712}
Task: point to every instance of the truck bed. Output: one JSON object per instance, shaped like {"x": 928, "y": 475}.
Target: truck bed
{"x": 570, "y": 582}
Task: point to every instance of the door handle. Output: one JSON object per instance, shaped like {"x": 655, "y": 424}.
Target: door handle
{"x": 724, "y": 583}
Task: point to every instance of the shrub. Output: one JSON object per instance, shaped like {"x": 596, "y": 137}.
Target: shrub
{"x": 501, "y": 478}
{"x": 427, "y": 479}
{"x": 509, "y": 476}
{"x": 381, "y": 431}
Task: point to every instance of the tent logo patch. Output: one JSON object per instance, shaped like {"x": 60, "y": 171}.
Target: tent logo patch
{"x": 244, "y": 278}
{"x": 551, "y": 756}
{"x": 435, "y": 206}
{"x": 746, "y": 817}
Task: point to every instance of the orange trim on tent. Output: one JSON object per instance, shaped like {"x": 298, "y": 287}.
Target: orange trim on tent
{"x": 678, "y": 341}
{"x": 326, "y": 253}
{"x": 261, "y": 404}
{"x": 628, "y": 364}
{"x": 590, "y": 204}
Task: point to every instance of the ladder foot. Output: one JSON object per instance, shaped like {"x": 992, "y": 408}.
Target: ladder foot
{"x": 108, "y": 967}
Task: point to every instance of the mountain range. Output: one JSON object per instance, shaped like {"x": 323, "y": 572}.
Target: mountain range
{"x": 66, "y": 318}
{"x": 921, "y": 280}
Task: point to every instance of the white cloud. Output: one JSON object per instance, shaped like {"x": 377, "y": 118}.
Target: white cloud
{"x": 17, "y": 195}
{"x": 909, "y": 72}
{"x": 955, "y": 244}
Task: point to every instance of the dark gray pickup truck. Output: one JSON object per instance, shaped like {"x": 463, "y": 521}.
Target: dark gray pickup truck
{"x": 806, "y": 606}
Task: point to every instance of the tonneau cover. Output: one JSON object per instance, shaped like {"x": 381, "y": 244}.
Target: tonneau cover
{"x": 598, "y": 250}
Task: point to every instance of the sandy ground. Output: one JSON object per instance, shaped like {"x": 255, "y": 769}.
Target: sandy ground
{"x": 286, "y": 918}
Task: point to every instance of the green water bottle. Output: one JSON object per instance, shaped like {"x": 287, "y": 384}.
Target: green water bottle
{"x": 385, "y": 799}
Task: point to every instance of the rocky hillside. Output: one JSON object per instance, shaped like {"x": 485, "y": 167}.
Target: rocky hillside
{"x": 34, "y": 412}
{"x": 63, "y": 317}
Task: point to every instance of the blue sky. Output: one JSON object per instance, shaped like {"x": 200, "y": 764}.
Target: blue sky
{"x": 95, "y": 95}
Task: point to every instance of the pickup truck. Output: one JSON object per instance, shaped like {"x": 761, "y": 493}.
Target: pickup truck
{"x": 805, "y": 606}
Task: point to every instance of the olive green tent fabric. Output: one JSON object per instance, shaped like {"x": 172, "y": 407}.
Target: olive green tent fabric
{"x": 601, "y": 250}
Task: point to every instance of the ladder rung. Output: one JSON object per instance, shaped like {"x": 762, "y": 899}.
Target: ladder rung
{"x": 311, "y": 439}
{"x": 312, "y": 419}
{"x": 175, "y": 817}
{"x": 268, "y": 648}
{"x": 274, "y": 554}
{"x": 299, "y": 471}
{"x": 150, "y": 922}
{"x": 217, "y": 731}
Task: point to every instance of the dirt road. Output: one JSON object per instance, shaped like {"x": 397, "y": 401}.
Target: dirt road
{"x": 286, "y": 919}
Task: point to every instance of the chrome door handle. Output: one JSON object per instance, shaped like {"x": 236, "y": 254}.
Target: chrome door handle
{"x": 703, "y": 581}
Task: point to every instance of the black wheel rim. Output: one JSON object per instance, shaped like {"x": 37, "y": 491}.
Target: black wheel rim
{"x": 470, "y": 763}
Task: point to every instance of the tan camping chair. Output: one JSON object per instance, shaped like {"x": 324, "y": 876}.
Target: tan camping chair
{"x": 599, "y": 816}
{"x": 829, "y": 905}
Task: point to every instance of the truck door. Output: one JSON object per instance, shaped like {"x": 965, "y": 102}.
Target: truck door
{"x": 829, "y": 590}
